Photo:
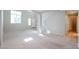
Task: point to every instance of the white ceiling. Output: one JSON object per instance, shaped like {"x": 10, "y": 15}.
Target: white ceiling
{"x": 40, "y": 11}
{"x": 44, "y": 11}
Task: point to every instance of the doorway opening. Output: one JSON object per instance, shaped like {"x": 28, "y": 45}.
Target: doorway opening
{"x": 71, "y": 29}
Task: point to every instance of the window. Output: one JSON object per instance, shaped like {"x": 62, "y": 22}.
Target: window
{"x": 29, "y": 21}
{"x": 15, "y": 17}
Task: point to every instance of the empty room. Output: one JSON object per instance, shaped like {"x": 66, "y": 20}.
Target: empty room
{"x": 39, "y": 29}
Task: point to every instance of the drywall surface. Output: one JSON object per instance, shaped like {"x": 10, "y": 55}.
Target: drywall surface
{"x": 0, "y": 27}
{"x": 54, "y": 21}
{"x": 8, "y": 27}
{"x": 39, "y": 23}
{"x": 78, "y": 29}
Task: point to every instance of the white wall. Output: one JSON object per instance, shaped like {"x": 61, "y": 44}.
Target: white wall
{"x": 39, "y": 23}
{"x": 54, "y": 21}
{"x": 78, "y": 29}
{"x": 8, "y": 27}
{"x": 0, "y": 27}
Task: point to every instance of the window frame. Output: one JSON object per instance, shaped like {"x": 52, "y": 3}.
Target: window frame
{"x": 15, "y": 17}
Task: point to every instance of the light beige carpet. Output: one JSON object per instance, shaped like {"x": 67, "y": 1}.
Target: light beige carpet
{"x": 33, "y": 40}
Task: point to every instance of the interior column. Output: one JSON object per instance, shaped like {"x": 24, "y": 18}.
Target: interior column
{"x": 39, "y": 26}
